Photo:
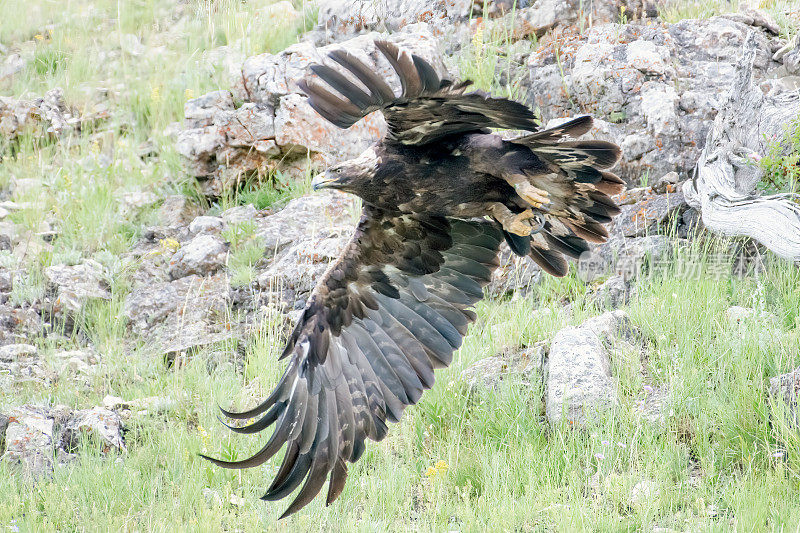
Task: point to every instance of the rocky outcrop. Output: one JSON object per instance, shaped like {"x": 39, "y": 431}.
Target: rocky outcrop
{"x": 175, "y": 316}
{"x": 656, "y": 88}
{"x": 301, "y": 240}
{"x": 341, "y": 19}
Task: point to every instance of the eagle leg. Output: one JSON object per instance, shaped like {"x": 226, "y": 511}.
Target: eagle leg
{"x": 522, "y": 224}
{"x": 534, "y": 196}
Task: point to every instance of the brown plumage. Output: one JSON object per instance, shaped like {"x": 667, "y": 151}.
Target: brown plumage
{"x": 440, "y": 194}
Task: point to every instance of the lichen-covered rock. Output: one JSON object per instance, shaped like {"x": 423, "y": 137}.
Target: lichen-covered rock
{"x": 99, "y": 423}
{"x": 783, "y": 390}
{"x": 29, "y": 440}
{"x": 38, "y": 438}
{"x": 615, "y": 292}
{"x": 301, "y": 240}
{"x": 202, "y": 255}
{"x": 656, "y": 87}
{"x": 341, "y": 19}
{"x": 206, "y": 224}
{"x": 173, "y": 316}
{"x": 644, "y": 212}
{"x": 74, "y": 285}
{"x": 579, "y": 382}
{"x": 307, "y": 216}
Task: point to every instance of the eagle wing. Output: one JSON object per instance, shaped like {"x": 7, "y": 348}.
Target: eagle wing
{"x": 427, "y": 109}
{"x": 393, "y": 307}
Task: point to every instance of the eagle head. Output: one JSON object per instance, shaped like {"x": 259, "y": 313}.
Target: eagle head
{"x": 349, "y": 176}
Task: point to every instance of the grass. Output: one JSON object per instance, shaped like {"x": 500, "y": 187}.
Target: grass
{"x": 723, "y": 457}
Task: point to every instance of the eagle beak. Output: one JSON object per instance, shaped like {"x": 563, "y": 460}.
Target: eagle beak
{"x": 321, "y": 181}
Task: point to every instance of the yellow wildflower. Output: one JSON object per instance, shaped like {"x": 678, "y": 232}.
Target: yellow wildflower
{"x": 38, "y": 37}
{"x": 431, "y": 471}
{"x": 169, "y": 245}
{"x": 155, "y": 93}
{"x": 441, "y": 466}
{"x": 188, "y": 94}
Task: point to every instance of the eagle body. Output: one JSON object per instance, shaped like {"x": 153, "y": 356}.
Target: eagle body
{"x": 451, "y": 178}
{"x": 441, "y": 192}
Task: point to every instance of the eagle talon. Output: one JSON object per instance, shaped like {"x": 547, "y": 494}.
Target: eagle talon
{"x": 534, "y": 196}
{"x": 520, "y": 224}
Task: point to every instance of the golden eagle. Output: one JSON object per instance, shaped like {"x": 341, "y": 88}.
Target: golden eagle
{"x": 440, "y": 193}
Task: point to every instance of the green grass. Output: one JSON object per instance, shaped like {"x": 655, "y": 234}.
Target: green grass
{"x": 459, "y": 460}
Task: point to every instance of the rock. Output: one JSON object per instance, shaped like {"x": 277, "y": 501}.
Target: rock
{"x": 668, "y": 183}
{"x": 630, "y": 257}
{"x": 203, "y": 255}
{"x": 655, "y": 87}
{"x": 491, "y": 371}
{"x": 77, "y": 284}
{"x": 3, "y": 427}
{"x": 579, "y": 382}
{"x": 131, "y": 202}
{"x": 174, "y": 316}
{"x": 37, "y": 438}
{"x": 275, "y": 126}
{"x": 29, "y": 440}
{"x": 100, "y": 423}
{"x": 578, "y": 376}
{"x": 12, "y": 64}
{"x": 205, "y": 224}
{"x": 300, "y": 242}
{"x": 615, "y": 292}
{"x": 305, "y": 217}
{"x": 339, "y": 19}
{"x": 239, "y": 214}
{"x": 648, "y": 213}
{"x": 295, "y": 271}
{"x": 176, "y": 210}
{"x": 41, "y": 117}
{"x": 140, "y": 406}
{"x": 515, "y": 273}
{"x": 77, "y": 362}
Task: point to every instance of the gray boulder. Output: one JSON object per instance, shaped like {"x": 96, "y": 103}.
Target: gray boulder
{"x": 174, "y": 316}
{"x": 579, "y": 383}
{"x": 74, "y": 285}
{"x": 39, "y": 438}
{"x": 202, "y": 255}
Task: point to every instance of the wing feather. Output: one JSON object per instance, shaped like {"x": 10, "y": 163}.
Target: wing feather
{"x": 412, "y": 278}
{"x": 427, "y": 108}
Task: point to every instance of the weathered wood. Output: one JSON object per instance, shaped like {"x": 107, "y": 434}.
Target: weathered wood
{"x": 727, "y": 173}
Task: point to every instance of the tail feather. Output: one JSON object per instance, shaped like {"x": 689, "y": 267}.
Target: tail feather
{"x": 574, "y": 175}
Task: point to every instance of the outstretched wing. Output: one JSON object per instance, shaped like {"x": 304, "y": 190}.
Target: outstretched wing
{"x": 392, "y": 308}
{"x": 426, "y": 110}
